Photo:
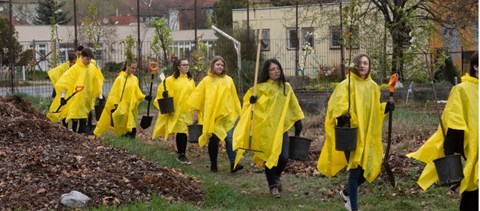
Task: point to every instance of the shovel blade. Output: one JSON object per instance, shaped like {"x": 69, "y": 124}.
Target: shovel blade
{"x": 146, "y": 122}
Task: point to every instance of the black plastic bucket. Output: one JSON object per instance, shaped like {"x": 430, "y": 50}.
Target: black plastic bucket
{"x": 194, "y": 131}
{"x": 299, "y": 148}
{"x": 166, "y": 105}
{"x": 346, "y": 138}
{"x": 449, "y": 169}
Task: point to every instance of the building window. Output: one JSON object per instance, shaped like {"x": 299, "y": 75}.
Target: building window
{"x": 265, "y": 42}
{"x": 292, "y": 39}
{"x": 308, "y": 38}
{"x": 336, "y": 37}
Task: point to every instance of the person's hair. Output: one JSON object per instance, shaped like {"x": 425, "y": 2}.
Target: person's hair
{"x": 80, "y": 48}
{"x": 356, "y": 61}
{"x": 71, "y": 57}
{"x": 266, "y": 68}
{"x": 214, "y": 60}
{"x": 176, "y": 70}
{"x": 87, "y": 52}
{"x": 124, "y": 66}
{"x": 473, "y": 62}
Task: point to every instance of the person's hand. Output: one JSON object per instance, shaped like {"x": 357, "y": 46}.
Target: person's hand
{"x": 148, "y": 98}
{"x": 344, "y": 120}
{"x": 63, "y": 101}
{"x": 298, "y": 127}
{"x": 165, "y": 94}
{"x": 253, "y": 99}
{"x": 195, "y": 117}
{"x": 390, "y": 107}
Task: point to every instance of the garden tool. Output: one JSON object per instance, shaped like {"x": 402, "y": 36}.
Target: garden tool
{"x": 386, "y": 166}
{"x": 77, "y": 90}
{"x": 250, "y": 137}
{"x": 147, "y": 120}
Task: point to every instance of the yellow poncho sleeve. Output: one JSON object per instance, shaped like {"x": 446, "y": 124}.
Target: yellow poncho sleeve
{"x": 367, "y": 114}
{"x": 461, "y": 113}
{"x": 180, "y": 89}
{"x": 275, "y": 113}
{"x": 55, "y": 73}
{"x": 80, "y": 104}
{"x": 216, "y": 98}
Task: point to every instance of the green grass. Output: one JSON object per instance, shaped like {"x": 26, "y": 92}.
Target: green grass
{"x": 247, "y": 189}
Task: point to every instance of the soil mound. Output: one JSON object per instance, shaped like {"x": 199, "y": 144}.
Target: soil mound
{"x": 40, "y": 161}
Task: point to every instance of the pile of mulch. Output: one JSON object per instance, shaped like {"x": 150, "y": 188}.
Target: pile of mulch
{"x": 40, "y": 161}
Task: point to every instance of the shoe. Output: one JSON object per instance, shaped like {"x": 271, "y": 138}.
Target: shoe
{"x": 214, "y": 169}
{"x": 183, "y": 159}
{"x": 274, "y": 191}
{"x": 279, "y": 184}
{"x": 238, "y": 168}
{"x": 345, "y": 200}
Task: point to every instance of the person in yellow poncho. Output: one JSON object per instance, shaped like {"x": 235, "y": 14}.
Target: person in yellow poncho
{"x": 179, "y": 86}
{"x": 216, "y": 99}
{"x": 366, "y": 113}
{"x": 78, "y": 87}
{"x": 276, "y": 111}
{"x": 460, "y": 120}
{"x": 121, "y": 108}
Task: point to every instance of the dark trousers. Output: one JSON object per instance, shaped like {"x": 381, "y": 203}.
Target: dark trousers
{"x": 131, "y": 134}
{"x": 181, "y": 140}
{"x": 79, "y": 125}
{"x": 213, "y": 149}
{"x": 469, "y": 201}
{"x": 275, "y": 172}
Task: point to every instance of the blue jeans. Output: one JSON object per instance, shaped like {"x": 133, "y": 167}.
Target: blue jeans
{"x": 213, "y": 148}
{"x": 355, "y": 179}
{"x": 274, "y": 173}
{"x": 228, "y": 142}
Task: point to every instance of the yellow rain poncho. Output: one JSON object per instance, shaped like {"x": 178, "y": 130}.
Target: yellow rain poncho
{"x": 180, "y": 89}
{"x": 216, "y": 98}
{"x": 125, "y": 116}
{"x": 367, "y": 114}
{"x": 275, "y": 113}
{"x": 78, "y": 107}
{"x": 461, "y": 113}
{"x": 55, "y": 73}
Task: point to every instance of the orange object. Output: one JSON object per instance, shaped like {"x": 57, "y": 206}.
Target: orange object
{"x": 392, "y": 82}
{"x": 153, "y": 67}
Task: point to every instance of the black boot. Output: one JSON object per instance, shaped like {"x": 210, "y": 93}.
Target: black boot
{"x": 233, "y": 170}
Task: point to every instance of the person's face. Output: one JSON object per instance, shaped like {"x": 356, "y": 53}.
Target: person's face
{"x": 133, "y": 69}
{"x": 183, "y": 67}
{"x": 363, "y": 66}
{"x": 86, "y": 60}
{"x": 218, "y": 67}
{"x": 274, "y": 72}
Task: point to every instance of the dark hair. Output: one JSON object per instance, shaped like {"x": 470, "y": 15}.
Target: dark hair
{"x": 176, "y": 70}
{"x": 80, "y": 48}
{"x": 87, "y": 52}
{"x": 356, "y": 61}
{"x": 473, "y": 62}
{"x": 71, "y": 57}
{"x": 214, "y": 60}
{"x": 266, "y": 68}
{"x": 124, "y": 66}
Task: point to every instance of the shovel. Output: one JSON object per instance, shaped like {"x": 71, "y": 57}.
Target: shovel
{"x": 250, "y": 137}
{"x": 386, "y": 166}
{"x": 77, "y": 90}
{"x": 147, "y": 120}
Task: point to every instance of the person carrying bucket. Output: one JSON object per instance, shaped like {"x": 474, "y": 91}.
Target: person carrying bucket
{"x": 216, "y": 99}
{"x": 121, "y": 108}
{"x": 355, "y": 102}
{"x": 459, "y": 121}
{"x": 180, "y": 86}
{"x": 76, "y": 91}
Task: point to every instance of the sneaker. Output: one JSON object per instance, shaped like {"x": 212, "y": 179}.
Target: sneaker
{"x": 345, "y": 200}
{"x": 239, "y": 167}
{"x": 183, "y": 159}
{"x": 274, "y": 191}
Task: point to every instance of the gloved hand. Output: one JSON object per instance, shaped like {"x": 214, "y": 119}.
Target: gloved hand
{"x": 344, "y": 120}
{"x": 253, "y": 99}
{"x": 63, "y": 101}
{"x": 298, "y": 127}
{"x": 148, "y": 98}
{"x": 165, "y": 94}
{"x": 101, "y": 100}
{"x": 390, "y": 107}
